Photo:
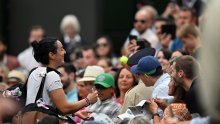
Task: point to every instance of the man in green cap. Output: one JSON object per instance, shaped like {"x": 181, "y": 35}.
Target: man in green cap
{"x": 104, "y": 84}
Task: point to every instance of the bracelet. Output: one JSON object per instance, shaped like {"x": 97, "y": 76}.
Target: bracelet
{"x": 87, "y": 101}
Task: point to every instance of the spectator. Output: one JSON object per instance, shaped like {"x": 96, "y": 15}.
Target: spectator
{"x": 71, "y": 40}
{"x": 86, "y": 57}
{"x": 198, "y": 5}
{"x": 209, "y": 62}
{"x": 150, "y": 72}
{"x": 136, "y": 45}
{"x": 104, "y": 49}
{"x": 26, "y": 58}
{"x": 139, "y": 92}
{"x": 179, "y": 110}
{"x": 89, "y": 57}
{"x": 185, "y": 16}
{"x": 16, "y": 77}
{"x": 171, "y": 11}
{"x": 189, "y": 35}
{"x": 9, "y": 61}
{"x": 183, "y": 73}
{"x": 163, "y": 57}
{"x": 178, "y": 107}
{"x": 105, "y": 64}
{"x": 124, "y": 81}
{"x": 165, "y": 39}
{"x": 106, "y": 104}
{"x": 68, "y": 79}
{"x": 174, "y": 89}
{"x": 85, "y": 84}
{"x": 179, "y": 53}
{"x": 142, "y": 26}
{"x": 177, "y": 91}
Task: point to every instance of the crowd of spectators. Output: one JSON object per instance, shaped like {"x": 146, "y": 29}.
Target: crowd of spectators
{"x": 90, "y": 83}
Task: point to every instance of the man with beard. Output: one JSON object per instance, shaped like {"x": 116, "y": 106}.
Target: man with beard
{"x": 183, "y": 73}
{"x": 68, "y": 79}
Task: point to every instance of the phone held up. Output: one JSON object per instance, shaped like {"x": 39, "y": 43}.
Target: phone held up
{"x": 142, "y": 43}
{"x": 169, "y": 29}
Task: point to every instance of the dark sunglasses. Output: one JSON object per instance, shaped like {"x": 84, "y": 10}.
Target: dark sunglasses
{"x": 141, "y": 21}
{"x": 102, "y": 44}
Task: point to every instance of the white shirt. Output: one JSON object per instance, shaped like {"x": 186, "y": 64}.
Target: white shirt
{"x": 27, "y": 60}
{"x": 149, "y": 35}
{"x": 52, "y": 82}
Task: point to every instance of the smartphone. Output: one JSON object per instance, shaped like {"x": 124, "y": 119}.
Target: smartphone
{"x": 169, "y": 29}
{"x": 132, "y": 37}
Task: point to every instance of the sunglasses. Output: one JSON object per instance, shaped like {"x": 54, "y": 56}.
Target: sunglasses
{"x": 102, "y": 44}
{"x": 141, "y": 21}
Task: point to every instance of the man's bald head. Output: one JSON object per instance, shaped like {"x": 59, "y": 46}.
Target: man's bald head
{"x": 144, "y": 18}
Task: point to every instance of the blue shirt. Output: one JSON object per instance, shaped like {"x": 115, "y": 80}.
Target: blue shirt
{"x": 72, "y": 96}
{"x": 200, "y": 120}
{"x": 161, "y": 89}
{"x": 177, "y": 44}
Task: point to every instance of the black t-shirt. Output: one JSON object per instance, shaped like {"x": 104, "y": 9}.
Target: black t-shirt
{"x": 192, "y": 100}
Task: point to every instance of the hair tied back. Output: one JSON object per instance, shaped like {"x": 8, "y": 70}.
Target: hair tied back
{"x": 35, "y": 45}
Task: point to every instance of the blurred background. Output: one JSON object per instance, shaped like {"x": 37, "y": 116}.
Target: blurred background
{"x": 96, "y": 17}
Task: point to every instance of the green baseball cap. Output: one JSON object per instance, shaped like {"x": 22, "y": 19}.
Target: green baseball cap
{"x": 105, "y": 79}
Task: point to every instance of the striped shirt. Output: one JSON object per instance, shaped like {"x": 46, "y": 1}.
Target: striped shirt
{"x": 109, "y": 107}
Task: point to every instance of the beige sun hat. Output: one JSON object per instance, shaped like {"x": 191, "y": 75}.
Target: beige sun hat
{"x": 91, "y": 73}
{"x": 16, "y": 76}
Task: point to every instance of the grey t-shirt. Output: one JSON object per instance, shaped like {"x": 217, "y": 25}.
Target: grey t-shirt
{"x": 52, "y": 82}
